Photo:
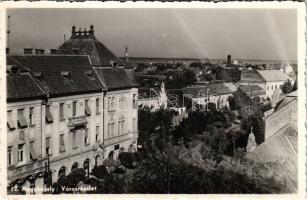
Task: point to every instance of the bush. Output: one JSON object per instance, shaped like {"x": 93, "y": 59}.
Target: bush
{"x": 100, "y": 172}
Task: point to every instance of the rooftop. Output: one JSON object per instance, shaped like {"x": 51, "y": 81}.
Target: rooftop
{"x": 213, "y": 89}
{"x": 16, "y": 89}
{"x": 273, "y": 75}
{"x": 85, "y": 42}
{"x": 59, "y": 75}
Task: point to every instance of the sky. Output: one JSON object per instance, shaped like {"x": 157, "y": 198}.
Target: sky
{"x": 262, "y": 34}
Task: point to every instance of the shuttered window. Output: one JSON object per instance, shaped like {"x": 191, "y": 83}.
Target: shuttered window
{"x": 62, "y": 144}
{"x": 10, "y": 121}
{"x": 48, "y": 145}
{"x": 87, "y": 108}
{"x": 22, "y": 122}
{"x": 62, "y": 117}
{"x": 49, "y": 118}
{"x": 33, "y": 154}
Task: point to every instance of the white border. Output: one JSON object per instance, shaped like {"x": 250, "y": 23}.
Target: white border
{"x": 300, "y": 6}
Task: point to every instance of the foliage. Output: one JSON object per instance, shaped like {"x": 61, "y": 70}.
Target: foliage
{"x": 100, "y": 171}
{"x": 287, "y": 87}
{"x": 230, "y": 176}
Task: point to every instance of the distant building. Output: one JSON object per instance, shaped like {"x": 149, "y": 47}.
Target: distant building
{"x": 269, "y": 80}
{"x": 217, "y": 93}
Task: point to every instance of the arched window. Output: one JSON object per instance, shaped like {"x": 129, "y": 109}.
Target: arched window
{"x": 86, "y": 166}
{"x": 62, "y": 171}
{"x": 74, "y": 166}
{"x": 97, "y": 160}
{"x": 111, "y": 155}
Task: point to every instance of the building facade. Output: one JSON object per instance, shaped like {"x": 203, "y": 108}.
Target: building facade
{"x": 76, "y": 111}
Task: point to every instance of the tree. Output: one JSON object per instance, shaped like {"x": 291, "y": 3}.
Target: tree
{"x": 189, "y": 77}
{"x": 287, "y": 87}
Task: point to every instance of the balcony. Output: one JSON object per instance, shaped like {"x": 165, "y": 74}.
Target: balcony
{"x": 77, "y": 121}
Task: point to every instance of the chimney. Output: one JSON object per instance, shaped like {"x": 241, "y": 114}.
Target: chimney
{"x": 28, "y": 50}
{"x": 39, "y": 51}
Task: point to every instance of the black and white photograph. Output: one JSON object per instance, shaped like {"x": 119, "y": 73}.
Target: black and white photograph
{"x": 152, "y": 100}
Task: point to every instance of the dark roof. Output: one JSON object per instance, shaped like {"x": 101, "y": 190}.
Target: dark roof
{"x": 114, "y": 78}
{"x": 284, "y": 102}
{"x": 214, "y": 89}
{"x": 131, "y": 75}
{"x": 22, "y": 87}
{"x": 88, "y": 44}
{"x": 250, "y": 76}
{"x": 255, "y": 89}
{"x": 59, "y": 74}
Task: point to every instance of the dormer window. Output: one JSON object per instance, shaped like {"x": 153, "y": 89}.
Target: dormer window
{"x": 66, "y": 74}
{"x": 38, "y": 75}
{"x": 90, "y": 75}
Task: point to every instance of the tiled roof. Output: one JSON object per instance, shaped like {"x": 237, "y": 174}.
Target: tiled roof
{"x": 250, "y": 76}
{"x": 255, "y": 89}
{"x": 273, "y": 75}
{"x": 216, "y": 88}
{"x": 100, "y": 55}
{"x": 59, "y": 74}
{"x": 284, "y": 102}
{"x": 280, "y": 146}
{"x": 114, "y": 78}
{"x": 22, "y": 86}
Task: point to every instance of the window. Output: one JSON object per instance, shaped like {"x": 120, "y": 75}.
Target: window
{"x": 272, "y": 87}
{"x": 134, "y": 102}
{"x": 275, "y": 86}
{"x": 49, "y": 118}
{"x": 62, "y": 144}
{"x": 111, "y": 129}
{"x": 10, "y": 121}
{"x": 22, "y": 122}
{"x": 33, "y": 155}
{"x": 268, "y": 87}
{"x": 97, "y": 133}
{"x": 111, "y": 103}
{"x": 86, "y": 141}
{"x": 9, "y": 156}
{"x": 122, "y": 103}
{"x": 20, "y": 152}
{"x": 134, "y": 124}
{"x": 62, "y": 117}
{"x": 87, "y": 109}
{"x": 48, "y": 146}
{"x": 116, "y": 147}
{"x": 74, "y": 108}
{"x": 97, "y": 106}
{"x": 74, "y": 139}
{"x": 21, "y": 135}
{"x": 31, "y": 116}
{"x": 121, "y": 127}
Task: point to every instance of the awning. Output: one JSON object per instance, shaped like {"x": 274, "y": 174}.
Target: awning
{"x": 32, "y": 152}
{"x": 22, "y": 122}
{"x": 49, "y": 117}
{"x": 10, "y": 124}
{"x": 87, "y": 110}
